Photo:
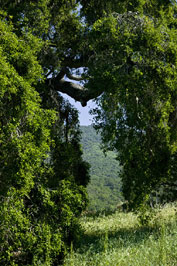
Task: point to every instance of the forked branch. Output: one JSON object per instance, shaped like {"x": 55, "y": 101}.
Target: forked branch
{"x": 74, "y": 90}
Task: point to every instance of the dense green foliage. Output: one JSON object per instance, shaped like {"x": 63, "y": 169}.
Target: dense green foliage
{"x": 118, "y": 239}
{"x": 136, "y": 64}
{"x": 42, "y": 173}
{"x": 104, "y": 189}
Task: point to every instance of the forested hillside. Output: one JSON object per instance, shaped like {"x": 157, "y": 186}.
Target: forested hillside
{"x": 104, "y": 188}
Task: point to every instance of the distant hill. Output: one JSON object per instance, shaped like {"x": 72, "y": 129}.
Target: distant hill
{"x": 104, "y": 188}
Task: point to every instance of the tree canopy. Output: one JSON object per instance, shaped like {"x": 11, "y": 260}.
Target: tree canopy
{"x": 42, "y": 173}
{"x": 124, "y": 55}
{"x": 137, "y": 113}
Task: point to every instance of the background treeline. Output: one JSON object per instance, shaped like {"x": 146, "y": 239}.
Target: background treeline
{"x": 104, "y": 189}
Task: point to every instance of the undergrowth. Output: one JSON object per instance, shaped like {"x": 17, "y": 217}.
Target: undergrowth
{"x": 119, "y": 239}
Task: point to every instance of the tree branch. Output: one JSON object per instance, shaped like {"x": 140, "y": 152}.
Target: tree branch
{"x": 76, "y": 91}
{"x": 73, "y": 77}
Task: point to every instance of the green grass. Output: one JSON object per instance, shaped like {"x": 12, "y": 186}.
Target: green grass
{"x": 119, "y": 239}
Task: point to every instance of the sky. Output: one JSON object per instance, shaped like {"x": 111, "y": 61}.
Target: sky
{"x": 84, "y": 117}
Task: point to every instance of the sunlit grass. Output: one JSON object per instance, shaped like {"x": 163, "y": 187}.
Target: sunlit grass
{"x": 119, "y": 239}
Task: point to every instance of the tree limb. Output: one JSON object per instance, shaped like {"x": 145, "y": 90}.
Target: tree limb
{"x": 76, "y": 91}
{"x": 73, "y": 77}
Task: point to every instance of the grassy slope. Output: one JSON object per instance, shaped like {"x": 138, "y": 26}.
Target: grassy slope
{"x": 119, "y": 240}
{"x": 104, "y": 188}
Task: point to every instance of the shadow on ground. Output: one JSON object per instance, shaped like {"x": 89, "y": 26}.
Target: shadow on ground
{"x": 123, "y": 237}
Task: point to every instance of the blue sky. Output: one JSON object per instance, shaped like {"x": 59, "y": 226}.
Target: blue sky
{"x": 84, "y": 117}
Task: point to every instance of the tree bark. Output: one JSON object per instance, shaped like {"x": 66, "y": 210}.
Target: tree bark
{"x": 74, "y": 90}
